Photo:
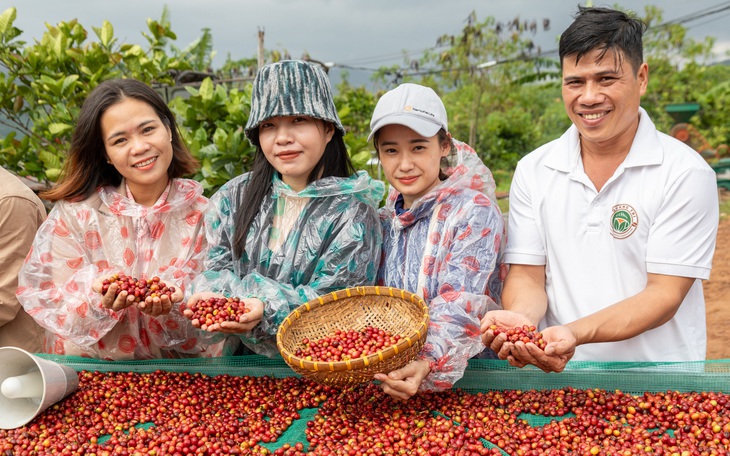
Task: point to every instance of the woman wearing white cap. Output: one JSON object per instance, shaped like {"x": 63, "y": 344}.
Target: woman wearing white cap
{"x": 442, "y": 234}
{"x": 302, "y": 223}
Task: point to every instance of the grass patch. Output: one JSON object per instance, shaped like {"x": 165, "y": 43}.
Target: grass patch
{"x": 503, "y": 179}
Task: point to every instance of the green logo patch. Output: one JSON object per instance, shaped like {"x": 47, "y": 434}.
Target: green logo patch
{"x": 624, "y": 221}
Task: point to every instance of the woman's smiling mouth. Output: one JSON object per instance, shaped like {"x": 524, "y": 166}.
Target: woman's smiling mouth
{"x": 142, "y": 164}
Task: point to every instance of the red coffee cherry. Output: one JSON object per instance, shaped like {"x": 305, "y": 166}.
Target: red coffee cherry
{"x": 141, "y": 289}
{"x": 527, "y": 333}
{"x": 217, "y": 310}
{"x": 346, "y": 344}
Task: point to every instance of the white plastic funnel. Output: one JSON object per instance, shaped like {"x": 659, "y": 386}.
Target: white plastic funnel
{"x": 29, "y": 385}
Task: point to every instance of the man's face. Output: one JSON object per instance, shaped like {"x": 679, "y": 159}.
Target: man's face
{"x": 602, "y": 98}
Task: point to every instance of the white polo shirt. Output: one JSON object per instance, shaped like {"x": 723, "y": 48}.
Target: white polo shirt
{"x": 658, "y": 213}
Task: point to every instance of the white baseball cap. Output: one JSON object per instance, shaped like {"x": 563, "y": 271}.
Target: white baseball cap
{"x": 414, "y": 106}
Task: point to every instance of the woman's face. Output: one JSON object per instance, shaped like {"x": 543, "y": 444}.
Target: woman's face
{"x": 411, "y": 162}
{"x": 294, "y": 145}
{"x": 139, "y": 145}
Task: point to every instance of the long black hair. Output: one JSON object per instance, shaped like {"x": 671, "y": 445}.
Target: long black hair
{"x": 335, "y": 162}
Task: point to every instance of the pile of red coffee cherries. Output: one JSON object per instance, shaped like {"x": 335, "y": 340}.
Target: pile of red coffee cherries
{"x": 347, "y": 344}
{"x": 526, "y": 423}
{"x": 184, "y": 413}
{"x": 166, "y": 413}
{"x": 141, "y": 289}
{"x": 207, "y": 312}
{"x": 526, "y": 334}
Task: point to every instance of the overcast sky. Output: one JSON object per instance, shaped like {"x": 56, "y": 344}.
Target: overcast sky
{"x": 354, "y": 33}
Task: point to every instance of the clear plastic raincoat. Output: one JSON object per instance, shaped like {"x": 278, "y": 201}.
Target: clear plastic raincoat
{"x": 447, "y": 248}
{"x": 332, "y": 242}
{"x": 102, "y": 235}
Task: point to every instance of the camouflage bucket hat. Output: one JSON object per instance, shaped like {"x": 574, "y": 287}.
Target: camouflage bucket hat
{"x": 289, "y": 88}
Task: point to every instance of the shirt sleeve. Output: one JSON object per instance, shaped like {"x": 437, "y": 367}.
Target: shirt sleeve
{"x": 683, "y": 235}
{"x": 474, "y": 249}
{"x": 218, "y": 273}
{"x": 524, "y": 243}
{"x": 19, "y": 219}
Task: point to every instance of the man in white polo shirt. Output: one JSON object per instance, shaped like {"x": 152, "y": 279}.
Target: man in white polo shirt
{"x": 612, "y": 226}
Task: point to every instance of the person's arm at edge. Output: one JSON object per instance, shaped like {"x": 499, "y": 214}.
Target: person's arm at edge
{"x": 655, "y": 305}
{"x": 18, "y": 222}
{"x": 524, "y": 291}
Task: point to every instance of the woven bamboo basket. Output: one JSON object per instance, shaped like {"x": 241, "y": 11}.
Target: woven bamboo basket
{"x": 391, "y": 309}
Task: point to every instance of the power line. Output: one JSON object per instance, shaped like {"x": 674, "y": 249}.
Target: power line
{"x": 712, "y": 10}
{"x": 378, "y": 58}
{"x": 711, "y": 20}
{"x": 697, "y": 14}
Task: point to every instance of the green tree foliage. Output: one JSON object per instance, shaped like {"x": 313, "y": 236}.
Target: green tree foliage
{"x": 502, "y": 93}
{"x": 356, "y": 105}
{"x": 712, "y": 121}
{"x": 680, "y": 71}
{"x": 212, "y": 120}
{"x": 503, "y": 96}
{"x": 675, "y": 62}
{"x": 486, "y": 75}
{"x": 199, "y": 54}
{"x": 43, "y": 85}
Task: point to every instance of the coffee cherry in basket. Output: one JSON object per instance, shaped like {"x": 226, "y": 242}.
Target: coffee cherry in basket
{"x": 527, "y": 333}
{"x": 346, "y": 344}
{"x": 217, "y": 310}
{"x": 141, "y": 289}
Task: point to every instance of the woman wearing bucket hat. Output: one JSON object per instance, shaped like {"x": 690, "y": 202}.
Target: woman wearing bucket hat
{"x": 302, "y": 223}
{"x": 121, "y": 206}
{"x": 443, "y": 234}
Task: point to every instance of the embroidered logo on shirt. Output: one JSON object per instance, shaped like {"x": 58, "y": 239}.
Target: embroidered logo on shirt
{"x": 624, "y": 221}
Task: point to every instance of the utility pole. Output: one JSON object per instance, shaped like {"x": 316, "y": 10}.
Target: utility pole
{"x": 261, "y": 49}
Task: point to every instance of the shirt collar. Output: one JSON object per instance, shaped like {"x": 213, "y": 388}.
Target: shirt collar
{"x": 399, "y": 205}
{"x": 646, "y": 148}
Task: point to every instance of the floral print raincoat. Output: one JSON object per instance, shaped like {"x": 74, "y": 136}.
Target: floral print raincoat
{"x": 333, "y": 243}
{"x": 447, "y": 248}
{"x": 105, "y": 234}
